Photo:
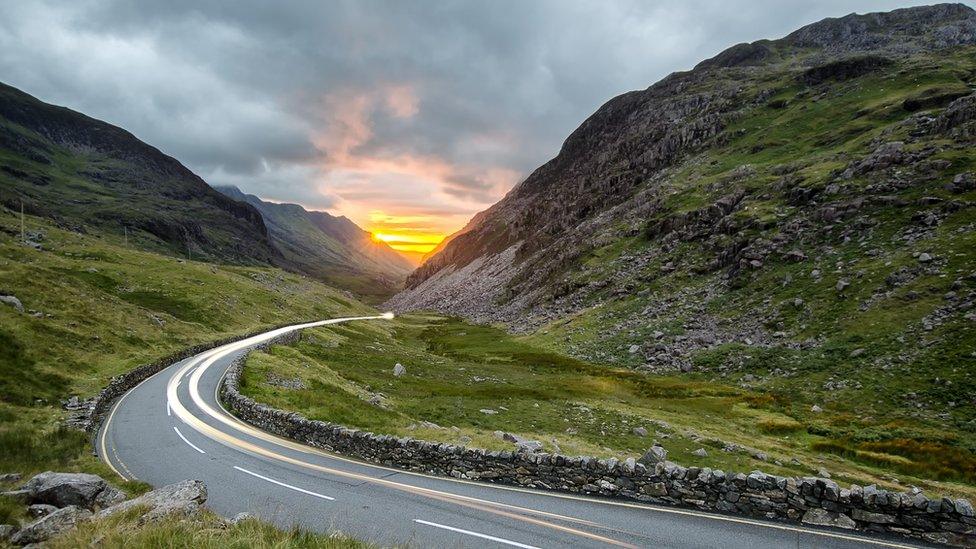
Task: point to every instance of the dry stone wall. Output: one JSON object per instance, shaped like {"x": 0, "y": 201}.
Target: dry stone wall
{"x": 815, "y": 501}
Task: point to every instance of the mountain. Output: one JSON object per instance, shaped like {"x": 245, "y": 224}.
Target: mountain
{"x": 87, "y": 174}
{"x": 330, "y": 248}
{"x": 333, "y": 249}
{"x": 783, "y": 201}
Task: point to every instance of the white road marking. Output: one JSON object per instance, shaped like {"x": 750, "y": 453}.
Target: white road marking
{"x": 194, "y": 446}
{"x": 476, "y": 534}
{"x": 168, "y": 411}
{"x": 279, "y": 483}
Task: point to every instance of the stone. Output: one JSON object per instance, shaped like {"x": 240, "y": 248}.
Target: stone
{"x": 701, "y": 452}
{"x": 842, "y": 285}
{"x": 822, "y": 473}
{"x": 656, "y": 454}
{"x": 816, "y": 409}
{"x": 399, "y": 370}
{"x": 488, "y": 411}
{"x": 6, "y": 532}
{"x": 63, "y": 489}
{"x": 876, "y": 518}
{"x": 761, "y": 456}
{"x": 633, "y": 349}
{"x": 241, "y": 517}
{"x": 182, "y": 498}
{"x": 39, "y": 510}
{"x": 924, "y": 257}
{"x": 640, "y": 431}
{"x": 964, "y": 507}
{"x": 822, "y": 517}
{"x": 13, "y": 302}
{"x": 10, "y": 477}
{"x": 48, "y": 526}
{"x": 530, "y": 446}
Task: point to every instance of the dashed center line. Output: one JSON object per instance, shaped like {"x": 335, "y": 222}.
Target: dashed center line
{"x": 476, "y": 534}
{"x": 279, "y": 483}
{"x": 194, "y": 446}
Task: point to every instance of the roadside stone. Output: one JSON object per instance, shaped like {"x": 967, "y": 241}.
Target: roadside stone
{"x": 48, "y": 526}
{"x": 876, "y": 518}
{"x": 64, "y": 489}
{"x": 529, "y": 446}
{"x": 13, "y": 302}
{"x": 822, "y": 517}
{"x": 399, "y": 370}
{"x": 182, "y": 498}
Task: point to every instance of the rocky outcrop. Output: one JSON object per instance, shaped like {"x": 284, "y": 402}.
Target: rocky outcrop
{"x": 68, "y": 489}
{"x": 181, "y": 499}
{"x": 653, "y": 479}
{"x": 51, "y": 525}
{"x": 61, "y": 501}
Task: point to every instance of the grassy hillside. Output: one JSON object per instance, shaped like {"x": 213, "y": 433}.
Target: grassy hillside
{"x": 83, "y": 173}
{"x": 95, "y": 308}
{"x": 455, "y": 370}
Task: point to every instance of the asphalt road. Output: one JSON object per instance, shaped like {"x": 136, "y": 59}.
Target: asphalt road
{"x": 172, "y": 427}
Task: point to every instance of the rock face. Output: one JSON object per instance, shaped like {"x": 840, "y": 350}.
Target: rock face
{"x": 51, "y": 525}
{"x": 65, "y": 489}
{"x": 183, "y": 499}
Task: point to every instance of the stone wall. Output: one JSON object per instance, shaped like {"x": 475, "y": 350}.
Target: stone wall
{"x": 809, "y": 500}
{"x": 97, "y": 408}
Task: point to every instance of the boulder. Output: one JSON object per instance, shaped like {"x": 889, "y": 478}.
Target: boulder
{"x": 183, "y": 498}
{"x": 656, "y": 454}
{"x": 700, "y": 452}
{"x": 51, "y": 525}
{"x": 640, "y": 431}
{"x": 530, "y": 446}
{"x": 822, "y": 517}
{"x": 7, "y": 531}
{"x": 10, "y": 477}
{"x": 399, "y": 370}
{"x": 633, "y": 349}
{"x": 13, "y": 302}
{"x": 64, "y": 489}
{"x": 924, "y": 257}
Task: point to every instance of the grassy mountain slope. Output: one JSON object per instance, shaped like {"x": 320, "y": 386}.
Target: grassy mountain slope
{"x": 793, "y": 217}
{"x": 333, "y": 249}
{"x": 84, "y": 173}
{"x": 94, "y": 308}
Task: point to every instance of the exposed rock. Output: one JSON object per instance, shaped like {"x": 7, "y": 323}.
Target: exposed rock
{"x": 656, "y": 454}
{"x": 822, "y": 517}
{"x": 38, "y": 510}
{"x": 10, "y": 477}
{"x": 13, "y": 302}
{"x": 640, "y": 431}
{"x": 399, "y": 370}
{"x": 924, "y": 257}
{"x": 7, "y": 531}
{"x": 633, "y": 349}
{"x": 816, "y": 409}
{"x": 182, "y": 498}
{"x": 701, "y": 452}
{"x": 63, "y": 489}
{"x": 529, "y": 446}
{"x": 51, "y": 525}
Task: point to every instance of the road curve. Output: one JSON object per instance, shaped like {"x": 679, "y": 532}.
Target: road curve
{"x": 172, "y": 427}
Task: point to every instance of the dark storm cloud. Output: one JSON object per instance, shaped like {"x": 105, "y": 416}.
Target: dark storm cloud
{"x": 330, "y": 103}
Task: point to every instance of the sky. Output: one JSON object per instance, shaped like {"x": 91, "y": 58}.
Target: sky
{"x": 408, "y": 117}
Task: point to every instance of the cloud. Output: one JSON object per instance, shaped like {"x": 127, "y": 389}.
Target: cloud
{"x": 427, "y": 111}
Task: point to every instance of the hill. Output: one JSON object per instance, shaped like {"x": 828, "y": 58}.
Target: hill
{"x": 330, "y": 248}
{"x": 86, "y": 174}
{"x": 793, "y": 216}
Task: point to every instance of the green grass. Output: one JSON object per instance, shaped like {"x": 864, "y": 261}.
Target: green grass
{"x": 96, "y": 309}
{"x": 455, "y": 369}
{"x": 201, "y": 532}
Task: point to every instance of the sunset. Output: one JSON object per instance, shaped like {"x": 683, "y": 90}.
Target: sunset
{"x": 368, "y": 274}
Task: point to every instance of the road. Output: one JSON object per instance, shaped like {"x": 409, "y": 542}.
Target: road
{"x": 172, "y": 427}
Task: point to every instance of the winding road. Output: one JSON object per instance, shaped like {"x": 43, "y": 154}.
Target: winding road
{"x": 172, "y": 427}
